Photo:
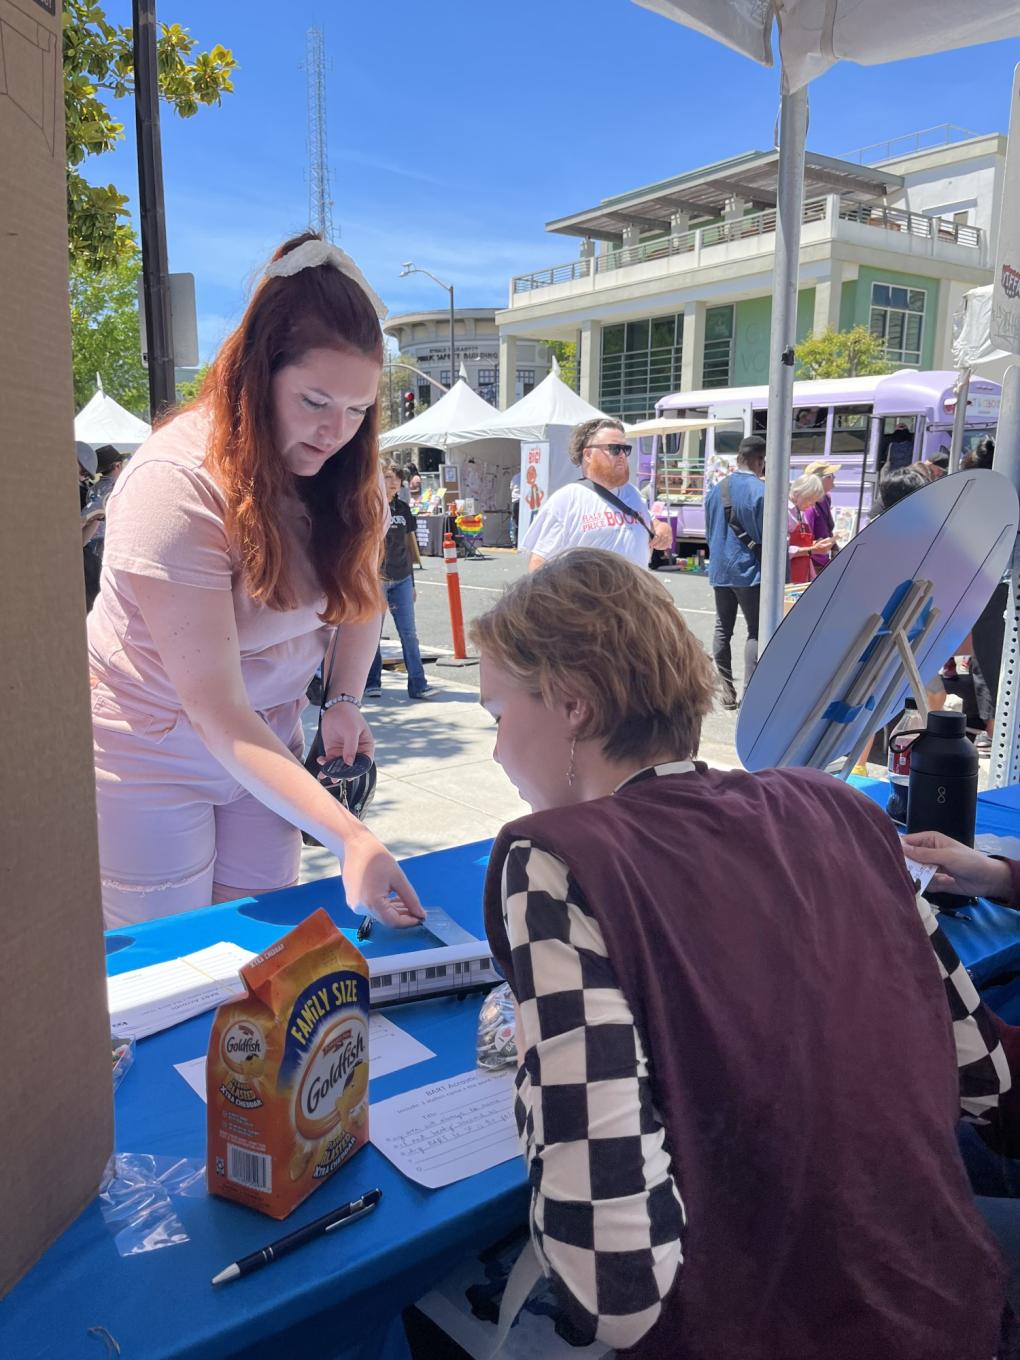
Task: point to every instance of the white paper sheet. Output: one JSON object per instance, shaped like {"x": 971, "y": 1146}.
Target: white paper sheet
{"x": 922, "y": 874}
{"x": 193, "y": 1072}
{"x": 389, "y": 1049}
{"x": 147, "y": 1000}
{"x": 448, "y": 1130}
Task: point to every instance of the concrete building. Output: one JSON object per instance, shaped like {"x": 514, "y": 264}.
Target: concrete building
{"x": 672, "y": 287}
{"x": 425, "y": 338}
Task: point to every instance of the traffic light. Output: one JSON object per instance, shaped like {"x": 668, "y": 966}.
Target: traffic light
{"x": 408, "y": 405}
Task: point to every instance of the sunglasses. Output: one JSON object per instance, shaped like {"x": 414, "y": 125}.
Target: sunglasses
{"x": 616, "y": 449}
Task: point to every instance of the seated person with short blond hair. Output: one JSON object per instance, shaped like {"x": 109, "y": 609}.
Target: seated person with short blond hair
{"x": 738, "y": 1087}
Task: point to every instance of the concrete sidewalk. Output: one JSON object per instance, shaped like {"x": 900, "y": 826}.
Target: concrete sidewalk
{"x": 438, "y": 784}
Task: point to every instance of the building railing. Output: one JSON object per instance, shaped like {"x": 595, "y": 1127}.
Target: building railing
{"x": 944, "y": 134}
{"x": 758, "y": 224}
{"x": 915, "y": 224}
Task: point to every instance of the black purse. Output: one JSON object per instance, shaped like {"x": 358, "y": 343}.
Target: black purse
{"x": 356, "y": 793}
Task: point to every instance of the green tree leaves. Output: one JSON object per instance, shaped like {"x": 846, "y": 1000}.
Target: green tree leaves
{"x": 841, "y": 354}
{"x": 98, "y": 60}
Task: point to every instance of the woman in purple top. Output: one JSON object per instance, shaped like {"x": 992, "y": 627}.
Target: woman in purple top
{"x": 819, "y": 517}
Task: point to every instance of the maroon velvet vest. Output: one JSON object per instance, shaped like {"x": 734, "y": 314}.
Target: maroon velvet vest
{"x": 764, "y": 932}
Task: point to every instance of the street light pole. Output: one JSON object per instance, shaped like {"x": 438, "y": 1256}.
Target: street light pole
{"x": 410, "y": 268}
{"x": 453, "y": 358}
{"x": 159, "y": 345}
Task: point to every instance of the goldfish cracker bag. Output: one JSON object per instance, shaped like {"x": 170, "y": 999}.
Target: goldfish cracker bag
{"x": 287, "y": 1071}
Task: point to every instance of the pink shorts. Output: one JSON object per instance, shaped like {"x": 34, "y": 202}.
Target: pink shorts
{"x": 173, "y": 824}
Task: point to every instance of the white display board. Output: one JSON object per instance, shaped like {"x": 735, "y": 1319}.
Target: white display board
{"x": 534, "y": 482}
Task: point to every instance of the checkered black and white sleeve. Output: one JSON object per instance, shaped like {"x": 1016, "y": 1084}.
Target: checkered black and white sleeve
{"x": 607, "y": 1218}
{"x": 984, "y": 1071}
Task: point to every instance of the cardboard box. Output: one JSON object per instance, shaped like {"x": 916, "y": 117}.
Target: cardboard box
{"x": 56, "y": 1115}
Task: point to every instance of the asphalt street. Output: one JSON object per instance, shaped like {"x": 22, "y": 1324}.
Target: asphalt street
{"x": 482, "y": 582}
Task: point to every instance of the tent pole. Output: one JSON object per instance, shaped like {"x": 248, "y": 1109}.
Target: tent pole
{"x": 1005, "y": 763}
{"x": 789, "y": 210}
{"x": 959, "y": 418}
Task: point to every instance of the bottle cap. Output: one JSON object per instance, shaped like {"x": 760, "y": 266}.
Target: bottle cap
{"x": 947, "y": 724}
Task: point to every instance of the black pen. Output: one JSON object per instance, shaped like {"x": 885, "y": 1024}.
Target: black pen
{"x": 337, "y": 1218}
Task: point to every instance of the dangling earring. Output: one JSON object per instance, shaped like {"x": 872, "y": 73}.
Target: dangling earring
{"x": 571, "y": 772}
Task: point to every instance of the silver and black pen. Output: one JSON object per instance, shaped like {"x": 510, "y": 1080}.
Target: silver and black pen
{"x": 336, "y": 1218}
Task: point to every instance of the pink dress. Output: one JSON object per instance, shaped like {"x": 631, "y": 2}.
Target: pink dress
{"x": 172, "y": 821}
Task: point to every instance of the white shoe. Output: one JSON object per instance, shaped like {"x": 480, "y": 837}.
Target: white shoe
{"x": 429, "y": 692}
{"x": 373, "y": 692}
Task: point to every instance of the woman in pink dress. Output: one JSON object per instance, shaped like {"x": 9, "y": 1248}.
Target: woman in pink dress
{"x": 244, "y": 535}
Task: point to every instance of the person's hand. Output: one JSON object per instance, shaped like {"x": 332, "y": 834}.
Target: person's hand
{"x": 966, "y": 872}
{"x": 345, "y": 732}
{"x": 822, "y": 544}
{"x": 375, "y": 883}
{"x": 663, "y": 540}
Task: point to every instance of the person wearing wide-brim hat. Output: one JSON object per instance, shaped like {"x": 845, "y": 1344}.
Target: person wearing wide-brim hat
{"x": 819, "y": 517}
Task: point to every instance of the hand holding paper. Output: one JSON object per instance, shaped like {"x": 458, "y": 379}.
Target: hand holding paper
{"x": 957, "y": 868}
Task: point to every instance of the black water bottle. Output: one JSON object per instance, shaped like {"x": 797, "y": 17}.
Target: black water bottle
{"x": 943, "y": 779}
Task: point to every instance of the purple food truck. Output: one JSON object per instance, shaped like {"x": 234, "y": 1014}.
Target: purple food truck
{"x": 863, "y": 424}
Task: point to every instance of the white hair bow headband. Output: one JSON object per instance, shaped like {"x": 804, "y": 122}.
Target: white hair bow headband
{"x": 311, "y": 254}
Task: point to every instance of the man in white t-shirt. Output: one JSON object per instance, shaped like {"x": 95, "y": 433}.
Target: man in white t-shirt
{"x": 577, "y": 516}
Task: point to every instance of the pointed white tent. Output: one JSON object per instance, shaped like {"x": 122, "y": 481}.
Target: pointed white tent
{"x": 444, "y": 424}
{"x": 551, "y": 405}
{"x": 542, "y": 423}
{"x": 485, "y": 463}
{"x": 104, "y": 421}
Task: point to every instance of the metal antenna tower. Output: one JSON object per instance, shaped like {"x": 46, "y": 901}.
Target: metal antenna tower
{"x": 320, "y": 201}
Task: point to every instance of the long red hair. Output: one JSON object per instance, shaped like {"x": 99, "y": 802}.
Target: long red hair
{"x": 316, "y": 308}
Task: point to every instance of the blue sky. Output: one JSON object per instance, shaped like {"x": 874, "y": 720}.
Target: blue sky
{"x": 457, "y": 128}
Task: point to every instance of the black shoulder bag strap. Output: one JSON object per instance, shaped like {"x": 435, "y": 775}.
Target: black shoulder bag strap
{"x": 612, "y": 499}
{"x": 741, "y": 535}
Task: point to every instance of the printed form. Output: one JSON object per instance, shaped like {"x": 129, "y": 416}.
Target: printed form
{"x": 448, "y": 1130}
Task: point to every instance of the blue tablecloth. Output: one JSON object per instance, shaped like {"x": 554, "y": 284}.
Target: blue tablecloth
{"x": 337, "y": 1296}
{"x": 985, "y": 936}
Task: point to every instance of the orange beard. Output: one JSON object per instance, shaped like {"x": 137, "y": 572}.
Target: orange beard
{"x": 608, "y": 471}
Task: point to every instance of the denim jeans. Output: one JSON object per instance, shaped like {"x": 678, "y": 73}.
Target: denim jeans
{"x": 400, "y": 599}
{"x": 727, "y": 600}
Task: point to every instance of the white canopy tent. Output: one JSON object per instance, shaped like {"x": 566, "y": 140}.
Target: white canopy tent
{"x": 972, "y": 347}
{"x": 104, "y": 421}
{"x": 552, "y": 403}
{"x": 485, "y": 463}
{"x": 442, "y": 425}
{"x": 540, "y": 424}
{"x": 972, "y": 323}
{"x": 814, "y": 35}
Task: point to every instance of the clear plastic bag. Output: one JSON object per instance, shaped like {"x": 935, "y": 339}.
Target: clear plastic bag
{"x": 496, "y": 1045}
{"x": 135, "y": 1199}
{"x": 122, "y": 1052}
